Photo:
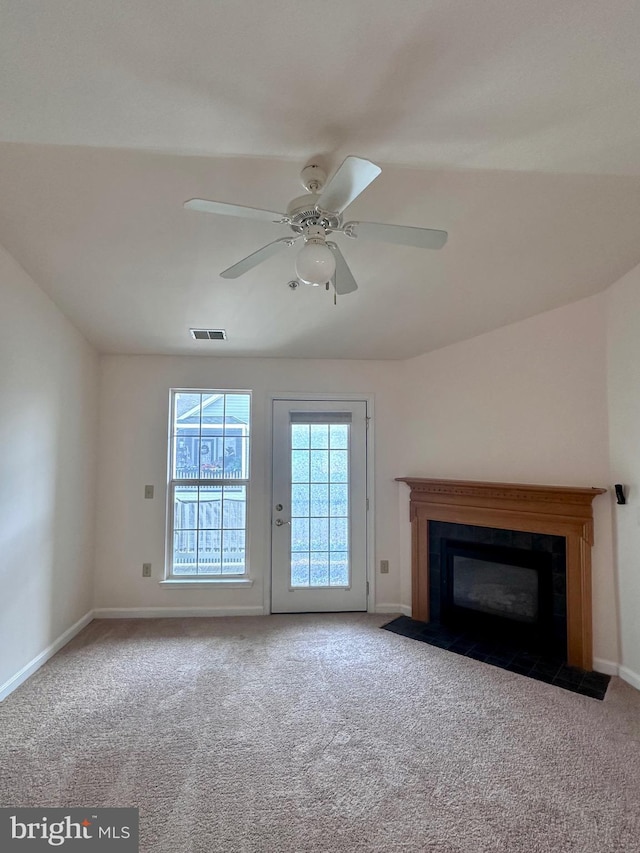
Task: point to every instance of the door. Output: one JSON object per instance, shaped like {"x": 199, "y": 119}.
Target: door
{"x": 319, "y": 506}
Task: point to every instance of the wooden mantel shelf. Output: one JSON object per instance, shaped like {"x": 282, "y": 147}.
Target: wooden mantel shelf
{"x": 555, "y": 510}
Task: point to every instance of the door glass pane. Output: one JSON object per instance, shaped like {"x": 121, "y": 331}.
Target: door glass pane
{"x": 320, "y": 466}
{"x": 319, "y": 505}
{"x": 299, "y": 466}
{"x": 339, "y": 568}
{"x": 319, "y": 436}
{"x": 319, "y": 499}
{"x": 300, "y": 569}
{"x": 319, "y": 534}
{"x": 300, "y": 436}
{"x": 339, "y": 466}
{"x": 299, "y": 535}
{"x": 319, "y": 568}
{"x": 339, "y": 436}
{"x": 300, "y": 500}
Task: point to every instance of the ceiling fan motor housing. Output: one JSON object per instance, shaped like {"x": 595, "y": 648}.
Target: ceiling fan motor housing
{"x": 302, "y": 212}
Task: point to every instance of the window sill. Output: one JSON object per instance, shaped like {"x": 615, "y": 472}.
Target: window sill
{"x": 231, "y": 583}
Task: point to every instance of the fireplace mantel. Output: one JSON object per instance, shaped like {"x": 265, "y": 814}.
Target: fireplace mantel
{"x": 556, "y": 510}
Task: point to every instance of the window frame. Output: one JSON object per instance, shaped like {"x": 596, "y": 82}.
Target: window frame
{"x": 203, "y": 579}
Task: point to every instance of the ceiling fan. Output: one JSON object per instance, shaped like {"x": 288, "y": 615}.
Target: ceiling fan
{"x": 316, "y": 215}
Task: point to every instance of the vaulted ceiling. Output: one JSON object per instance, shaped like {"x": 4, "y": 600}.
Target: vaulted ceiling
{"x": 512, "y": 125}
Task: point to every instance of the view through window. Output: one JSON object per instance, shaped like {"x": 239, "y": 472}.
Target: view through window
{"x": 209, "y": 478}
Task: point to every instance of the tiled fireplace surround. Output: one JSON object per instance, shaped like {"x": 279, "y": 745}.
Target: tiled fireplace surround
{"x": 545, "y": 551}
{"x": 545, "y": 512}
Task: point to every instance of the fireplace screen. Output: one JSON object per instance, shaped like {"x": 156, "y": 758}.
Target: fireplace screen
{"x": 495, "y": 588}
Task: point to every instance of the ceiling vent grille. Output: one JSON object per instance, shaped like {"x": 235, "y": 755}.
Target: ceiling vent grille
{"x": 208, "y": 334}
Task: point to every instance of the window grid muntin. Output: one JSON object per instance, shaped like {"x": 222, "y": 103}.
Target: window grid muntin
{"x": 301, "y": 457}
{"x": 202, "y": 535}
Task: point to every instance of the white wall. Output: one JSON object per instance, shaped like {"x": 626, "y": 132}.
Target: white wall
{"x": 526, "y": 404}
{"x": 624, "y": 403}
{"x": 133, "y": 452}
{"x": 48, "y": 397}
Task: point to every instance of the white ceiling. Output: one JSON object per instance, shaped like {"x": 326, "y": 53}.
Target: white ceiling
{"x": 513, "y": 125}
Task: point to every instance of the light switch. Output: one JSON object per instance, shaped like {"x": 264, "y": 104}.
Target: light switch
{"x": 148, "y": 491}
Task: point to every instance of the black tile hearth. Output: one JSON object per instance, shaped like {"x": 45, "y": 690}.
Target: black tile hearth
{"x": 548, "y": 669}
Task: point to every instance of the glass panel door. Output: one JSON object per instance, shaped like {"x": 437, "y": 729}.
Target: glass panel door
{"x": 319, "y": 506}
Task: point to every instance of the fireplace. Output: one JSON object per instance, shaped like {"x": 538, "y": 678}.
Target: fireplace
{"x": 500, "y": 584}
{"x": 513, "y": 510}
{"x": 494, "y": 586}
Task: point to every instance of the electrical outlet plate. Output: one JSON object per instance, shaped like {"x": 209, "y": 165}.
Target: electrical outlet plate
{"x": 384, "y": 567}
{"x": 148, "y": 492}
{"x": 146, "y": 570}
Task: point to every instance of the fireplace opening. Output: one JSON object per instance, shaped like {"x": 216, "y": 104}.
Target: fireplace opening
{"x": 502, "y": 586}
{"x": 498, "y": 591}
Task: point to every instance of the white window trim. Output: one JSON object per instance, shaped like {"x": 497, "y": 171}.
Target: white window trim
{"x": 229, "y": 581}
{"x": 171, "y": 581}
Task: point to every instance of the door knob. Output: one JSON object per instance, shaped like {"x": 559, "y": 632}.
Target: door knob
{"x": 280, "y": 522}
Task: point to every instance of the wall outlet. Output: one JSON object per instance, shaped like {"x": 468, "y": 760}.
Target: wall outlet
{"x": 146, "y": 570}
{"x": 148, "y": 492}
{"x": 384, "y": 567}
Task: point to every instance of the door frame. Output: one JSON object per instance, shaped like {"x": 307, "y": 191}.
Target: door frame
{"x": 305, "y": 396}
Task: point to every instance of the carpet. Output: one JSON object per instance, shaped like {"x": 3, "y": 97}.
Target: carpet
{"x": 319, "y": 734}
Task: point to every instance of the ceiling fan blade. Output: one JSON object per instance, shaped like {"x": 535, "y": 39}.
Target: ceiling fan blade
{"x": 405, "y": 235}
{"x": 258, "y": 257}
{"x": 204, "y": 206}
{"x": 343, "y": 280}
{"x": 353, "y": 176}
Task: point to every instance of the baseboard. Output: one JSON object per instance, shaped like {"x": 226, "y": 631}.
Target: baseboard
{"x": 393, "y": 608}
{"x": 630, "y": 677}
{"x": 166, "y": 612}
{"x": 21, "y": 676}
{"x": 608, "y": 667}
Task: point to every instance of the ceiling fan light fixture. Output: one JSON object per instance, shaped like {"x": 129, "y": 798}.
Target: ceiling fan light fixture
{"x": 315, "y": 263}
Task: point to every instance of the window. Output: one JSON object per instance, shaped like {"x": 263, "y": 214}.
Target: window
{"x": 208, "y": 484}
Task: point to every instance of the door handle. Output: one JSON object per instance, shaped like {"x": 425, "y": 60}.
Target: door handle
{"x": 280, "y": 522}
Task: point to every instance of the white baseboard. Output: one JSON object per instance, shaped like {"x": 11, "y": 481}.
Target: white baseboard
{"x": 630, "y": 677}
{"x": 21, "y": 676}
{"x": 165, "y": 612}
{"x": 393, "y": 608}
{"x": 608, "y": 667}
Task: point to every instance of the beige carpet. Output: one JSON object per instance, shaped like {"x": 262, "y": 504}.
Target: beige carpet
{"x": 319, "y": 733}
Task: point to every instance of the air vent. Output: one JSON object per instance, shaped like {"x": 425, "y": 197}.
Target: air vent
{"x": 208, "y": 334}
